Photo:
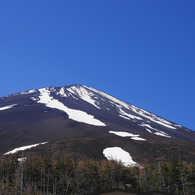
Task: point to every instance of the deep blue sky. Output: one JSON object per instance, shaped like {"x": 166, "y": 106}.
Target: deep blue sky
{"x": 142, "y": 52}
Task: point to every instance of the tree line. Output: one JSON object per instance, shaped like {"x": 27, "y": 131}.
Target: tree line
{"x": 42, "y": 175}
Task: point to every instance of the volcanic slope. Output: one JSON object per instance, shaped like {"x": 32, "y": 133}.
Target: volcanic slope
{"x": 72, "y": 112}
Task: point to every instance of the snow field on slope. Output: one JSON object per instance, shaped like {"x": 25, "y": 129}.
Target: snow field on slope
{"x": 153, "y": 117}
{"x": 135, "y": 109}
{"x": 119, "y": 155}
{"x": 62, "y": 92}
{"x": 157, "y": 132}
{"x": 7, "y": 107}
{"x": 73, "y": 114}
{"x": 161, "y": 133}
{"x": 83, "y": 94}
{"x": 113, "y": 99}
{"x": 23, "y": 148}
{"x": 128, "y": 116}
{"x": 126, "y": 134}
{"x": 28, "y": 92}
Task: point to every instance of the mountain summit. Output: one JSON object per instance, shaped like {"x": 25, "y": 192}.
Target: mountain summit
{"x": 72, "y": 112}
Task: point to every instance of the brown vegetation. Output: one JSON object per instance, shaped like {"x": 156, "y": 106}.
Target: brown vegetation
{"x": 70, "y": 176}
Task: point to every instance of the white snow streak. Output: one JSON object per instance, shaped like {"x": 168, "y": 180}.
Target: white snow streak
{"x": 138, "y": 138}
{"x": 62, "y": 92}
{"x": 119, "y": 155}
{"x": 143, "y": 113}
{"x": 7, "y": 107}
{"x": 153, "y": 117}
{"x": 126, "y": 134}
{"x": 113, "y": 99}
{"x": 161, "y": 133}
{"x": 148, "y": 130}
{"x": 128, "y": 116}
{"x": 23, "y": 148}
{"x": 123, "y": 134}
{"x": 155, "y": 131}
{"x": 76, "y": 115}
{"x": 29, "y": 91}
{"x": 147, "y": 125}
{"x": 83, "y": 94}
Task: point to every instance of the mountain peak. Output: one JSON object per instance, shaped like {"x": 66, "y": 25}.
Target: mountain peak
{"x": 41, "y": 115}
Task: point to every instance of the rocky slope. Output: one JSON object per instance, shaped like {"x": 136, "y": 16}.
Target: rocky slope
{"x": 87, "y": 121}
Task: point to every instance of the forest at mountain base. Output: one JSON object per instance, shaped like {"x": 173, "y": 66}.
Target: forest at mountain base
{"x": 40, "y": 175}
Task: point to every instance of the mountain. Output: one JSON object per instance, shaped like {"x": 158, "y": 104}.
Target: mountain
{"x": 88, "y": 122}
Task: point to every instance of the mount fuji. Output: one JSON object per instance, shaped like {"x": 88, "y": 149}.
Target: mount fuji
{"x": 88, "y": 122}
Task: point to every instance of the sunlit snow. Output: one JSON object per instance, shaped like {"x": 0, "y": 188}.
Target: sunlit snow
{"x": 23, "y": 159}
{"x": 76, "y": 115}
{"x": 113, "y": 99}
{"x": 62, "y": 92}
{"x": 84, "y": 94}
{"x": 119, "y": 155}
{"x": 123, "y": 134}
{"x": 153, "y": 117}
{"x": 8, "y": 107}
{"x": 148, "y": 130}
{"x": 33, "y": 99}
{"x": 126, "y": 134}
{"x": 146, "y": 125}
{"x": 160, "y": 133}
{"x": 130, "y": 116}
{"x": 155, "y": 131}
{"x": 28, "y": 92}
{"x": 138, "y": 138}
{"x": 135, "y": 109}
{"x": 23, "y": 148}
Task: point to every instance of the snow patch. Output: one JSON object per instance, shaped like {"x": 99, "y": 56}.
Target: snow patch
{"x": 128, "y": 116}
{"x": 126, "y": 134}
{"x": 124, "y": 117}
{"x": 29, "y": 91}
{"x": 84, "y": 94}
{"x": 146, "y": 125}
{"x": 155, "y": 131}
{"x": 148, "y": 130}
{"x": 33, "y": 99}
{"x": 23, "y": 159}
{"x": 52, "y": 89}
{"x": 119, "y": 155}
{"x": 138, "y": 138}
{"x": 153, "y": 117}
{"x": 123, "y": 134}
{"x": 23, "y": 148}
{"x": 113, "y": 99}
{"x": 76, "y": 115}
{"x": 62, "y": 92}
{"x": 161, "y": 133}
{"x": 118, "y": 103}
{"x": 7, "y": 107}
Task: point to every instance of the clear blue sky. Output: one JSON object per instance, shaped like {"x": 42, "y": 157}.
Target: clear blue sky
{"x": 140, "y": 51}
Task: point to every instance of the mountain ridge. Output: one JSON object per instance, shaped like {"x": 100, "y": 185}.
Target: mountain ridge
{"x": 52, "y": 113}
{"x": 52, "y": 87}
